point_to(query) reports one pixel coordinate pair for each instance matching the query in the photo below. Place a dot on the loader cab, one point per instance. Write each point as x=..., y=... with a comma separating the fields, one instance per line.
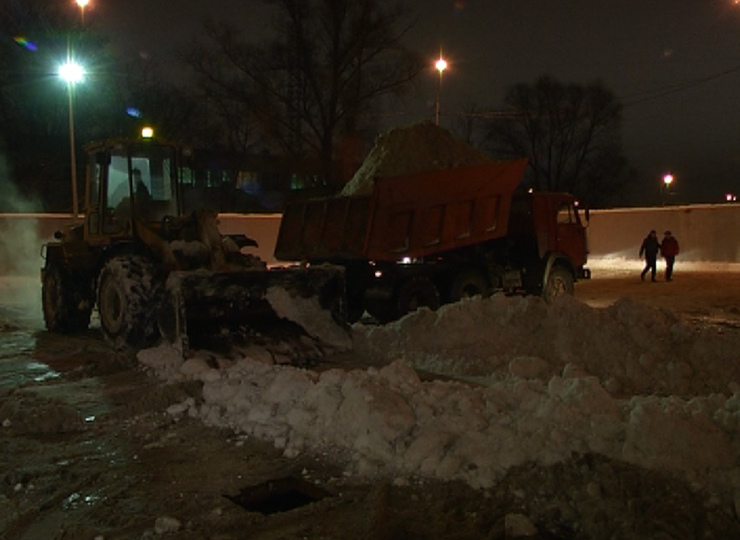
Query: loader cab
x=129, y=181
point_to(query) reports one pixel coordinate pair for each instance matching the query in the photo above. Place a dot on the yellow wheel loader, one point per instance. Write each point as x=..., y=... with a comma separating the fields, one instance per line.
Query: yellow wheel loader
x=155, y=272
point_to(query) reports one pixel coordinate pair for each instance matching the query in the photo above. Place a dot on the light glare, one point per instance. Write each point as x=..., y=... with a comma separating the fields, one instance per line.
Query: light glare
x=71, y=72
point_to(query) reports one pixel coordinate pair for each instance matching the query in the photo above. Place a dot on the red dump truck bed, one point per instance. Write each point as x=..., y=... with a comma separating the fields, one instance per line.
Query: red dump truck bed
x=406, y=216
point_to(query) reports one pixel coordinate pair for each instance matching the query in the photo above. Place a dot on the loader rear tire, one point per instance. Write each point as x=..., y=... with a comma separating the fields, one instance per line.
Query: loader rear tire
x=127, y=302
x=415, y=293
x=67, y=304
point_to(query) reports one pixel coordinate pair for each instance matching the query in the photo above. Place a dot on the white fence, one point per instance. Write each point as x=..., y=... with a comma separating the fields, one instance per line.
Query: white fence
x=707, y=233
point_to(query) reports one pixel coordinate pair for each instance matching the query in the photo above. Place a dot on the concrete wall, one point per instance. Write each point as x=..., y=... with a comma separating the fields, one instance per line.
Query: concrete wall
x=21, y=238
x=707, y=233
x=261, y=227
x=24, y=234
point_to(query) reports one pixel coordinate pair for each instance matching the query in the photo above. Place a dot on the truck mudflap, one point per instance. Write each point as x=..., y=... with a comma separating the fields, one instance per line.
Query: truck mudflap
x=202, y=302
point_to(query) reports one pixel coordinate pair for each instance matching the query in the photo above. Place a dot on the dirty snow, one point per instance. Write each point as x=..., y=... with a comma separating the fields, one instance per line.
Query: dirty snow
x=517, y=382
x=411, y=149
x=307, y=313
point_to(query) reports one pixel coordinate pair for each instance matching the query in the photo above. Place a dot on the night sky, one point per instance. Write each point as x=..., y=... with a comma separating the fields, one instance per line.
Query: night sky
x=674, y=64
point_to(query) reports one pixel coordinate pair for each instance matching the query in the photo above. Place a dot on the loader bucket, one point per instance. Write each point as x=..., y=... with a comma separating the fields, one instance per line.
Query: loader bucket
x=202, y=302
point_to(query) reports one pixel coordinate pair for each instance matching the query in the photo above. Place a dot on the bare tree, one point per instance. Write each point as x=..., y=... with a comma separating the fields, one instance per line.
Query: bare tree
x=572, y=135
x=316, y=82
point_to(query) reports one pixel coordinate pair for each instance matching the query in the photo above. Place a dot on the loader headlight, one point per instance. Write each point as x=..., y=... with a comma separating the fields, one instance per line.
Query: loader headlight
x=378, y=274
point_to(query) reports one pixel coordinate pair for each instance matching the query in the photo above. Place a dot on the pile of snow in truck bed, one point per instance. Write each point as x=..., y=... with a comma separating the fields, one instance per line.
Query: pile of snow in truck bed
x=412, y=149
x=532, y=384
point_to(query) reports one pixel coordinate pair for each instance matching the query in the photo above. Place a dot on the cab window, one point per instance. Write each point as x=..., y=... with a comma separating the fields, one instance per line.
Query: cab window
x=567, y=214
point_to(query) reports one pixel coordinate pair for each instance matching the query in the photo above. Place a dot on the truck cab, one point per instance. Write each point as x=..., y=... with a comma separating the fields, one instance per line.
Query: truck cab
x=547, y=236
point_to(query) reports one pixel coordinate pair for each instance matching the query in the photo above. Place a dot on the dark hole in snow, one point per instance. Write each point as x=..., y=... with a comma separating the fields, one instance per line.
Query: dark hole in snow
x=279, y=495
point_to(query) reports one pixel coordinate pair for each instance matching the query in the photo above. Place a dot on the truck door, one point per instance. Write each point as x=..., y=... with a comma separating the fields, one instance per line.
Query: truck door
x=570, y=233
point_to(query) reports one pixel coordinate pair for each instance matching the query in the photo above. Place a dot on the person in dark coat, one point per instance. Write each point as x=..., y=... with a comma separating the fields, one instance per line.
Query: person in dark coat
x=669, y=249
x=650, y=248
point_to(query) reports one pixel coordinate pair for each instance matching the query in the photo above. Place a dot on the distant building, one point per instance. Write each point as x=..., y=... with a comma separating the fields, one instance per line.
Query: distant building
x=244, y=183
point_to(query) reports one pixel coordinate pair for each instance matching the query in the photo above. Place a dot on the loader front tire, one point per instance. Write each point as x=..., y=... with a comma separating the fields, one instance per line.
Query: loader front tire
x=67, y=304
x=127, y=302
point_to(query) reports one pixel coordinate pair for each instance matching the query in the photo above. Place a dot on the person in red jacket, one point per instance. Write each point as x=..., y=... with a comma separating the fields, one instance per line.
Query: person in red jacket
x=669, y=249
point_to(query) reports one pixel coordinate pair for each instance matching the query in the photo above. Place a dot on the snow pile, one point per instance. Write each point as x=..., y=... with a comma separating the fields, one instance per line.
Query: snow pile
x=630, y=347
x=559, y=381
x=417, y=148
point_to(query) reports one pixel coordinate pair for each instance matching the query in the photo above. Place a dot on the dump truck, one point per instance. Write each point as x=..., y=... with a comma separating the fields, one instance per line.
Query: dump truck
x=155, y=271
x=435, y=237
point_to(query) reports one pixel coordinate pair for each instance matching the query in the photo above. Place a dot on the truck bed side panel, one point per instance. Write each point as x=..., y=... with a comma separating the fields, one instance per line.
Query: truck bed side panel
x=406, y=216
x=324, y=229
x=422, y=214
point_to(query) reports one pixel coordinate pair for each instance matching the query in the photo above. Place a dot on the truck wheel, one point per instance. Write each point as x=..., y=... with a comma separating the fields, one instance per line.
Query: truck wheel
x=355, y=309
x=415, y=293
x=559, y=282
x=67, y=306
x=126, y=302
x=467, y=284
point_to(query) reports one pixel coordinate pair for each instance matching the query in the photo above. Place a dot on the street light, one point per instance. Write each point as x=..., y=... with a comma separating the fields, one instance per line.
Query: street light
x=83, y=4
x=440, y=65
x=72, y=73
x=667, y=182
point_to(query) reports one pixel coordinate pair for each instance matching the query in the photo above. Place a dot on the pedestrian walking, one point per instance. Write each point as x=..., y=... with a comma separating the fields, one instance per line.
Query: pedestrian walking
x=669, y=249
x=650, y=248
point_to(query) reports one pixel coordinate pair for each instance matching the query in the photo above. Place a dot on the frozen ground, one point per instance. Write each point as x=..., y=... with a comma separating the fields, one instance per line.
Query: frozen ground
x=611, y=415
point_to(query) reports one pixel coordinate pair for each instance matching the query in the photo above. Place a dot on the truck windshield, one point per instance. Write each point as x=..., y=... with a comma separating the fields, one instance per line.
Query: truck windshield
x=567, y=214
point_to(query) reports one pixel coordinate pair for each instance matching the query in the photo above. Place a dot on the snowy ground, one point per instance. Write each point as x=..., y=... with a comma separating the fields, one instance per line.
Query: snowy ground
x=611, y=415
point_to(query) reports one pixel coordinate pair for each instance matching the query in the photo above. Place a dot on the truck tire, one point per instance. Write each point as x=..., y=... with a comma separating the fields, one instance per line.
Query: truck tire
x=126, y=302
x=415, y=293
x=66, y=304
x=467, y=284
x=355, y=309
x=559, y=282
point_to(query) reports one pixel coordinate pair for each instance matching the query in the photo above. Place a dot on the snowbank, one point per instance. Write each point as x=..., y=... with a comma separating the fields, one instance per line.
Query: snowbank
x=533, y=384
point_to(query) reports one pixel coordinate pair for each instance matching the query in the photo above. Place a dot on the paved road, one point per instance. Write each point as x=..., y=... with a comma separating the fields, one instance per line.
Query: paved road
x=712, y=296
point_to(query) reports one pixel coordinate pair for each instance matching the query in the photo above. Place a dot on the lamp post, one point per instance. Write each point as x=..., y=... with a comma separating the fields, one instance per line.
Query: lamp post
x=72, y=73
x=440, y=65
